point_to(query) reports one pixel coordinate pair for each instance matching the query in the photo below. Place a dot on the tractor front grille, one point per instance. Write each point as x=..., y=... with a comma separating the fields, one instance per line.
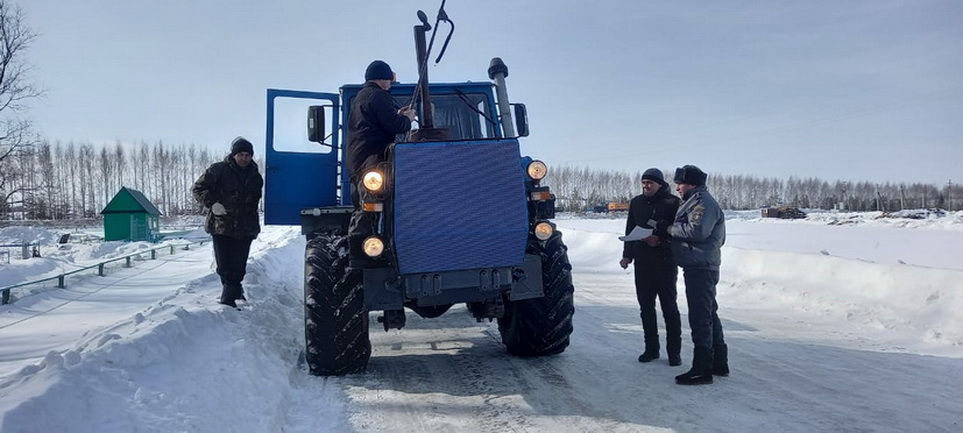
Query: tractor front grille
x=459, y=205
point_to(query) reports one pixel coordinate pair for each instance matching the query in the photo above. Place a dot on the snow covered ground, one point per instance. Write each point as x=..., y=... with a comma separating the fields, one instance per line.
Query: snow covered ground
x=854, y=326
x=86, y=248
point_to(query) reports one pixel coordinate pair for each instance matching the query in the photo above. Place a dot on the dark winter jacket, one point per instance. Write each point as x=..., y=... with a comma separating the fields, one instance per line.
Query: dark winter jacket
x=372, y=126
x=658, y=213
x=699, y=231
x=239, y=190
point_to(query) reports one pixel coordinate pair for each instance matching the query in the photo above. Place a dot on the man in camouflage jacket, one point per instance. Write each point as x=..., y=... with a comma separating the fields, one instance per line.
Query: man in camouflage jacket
x=230, y=190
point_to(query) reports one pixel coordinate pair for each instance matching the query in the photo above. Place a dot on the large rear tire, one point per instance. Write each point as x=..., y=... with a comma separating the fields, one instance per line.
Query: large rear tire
x=335, y=317
x=542, y=326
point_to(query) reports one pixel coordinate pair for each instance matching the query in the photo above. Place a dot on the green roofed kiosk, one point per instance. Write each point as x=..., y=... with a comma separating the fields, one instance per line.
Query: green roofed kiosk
x=131, y=217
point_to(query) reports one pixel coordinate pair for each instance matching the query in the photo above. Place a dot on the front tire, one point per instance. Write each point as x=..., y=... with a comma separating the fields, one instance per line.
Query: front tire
x=335, y=317
x=542, y=326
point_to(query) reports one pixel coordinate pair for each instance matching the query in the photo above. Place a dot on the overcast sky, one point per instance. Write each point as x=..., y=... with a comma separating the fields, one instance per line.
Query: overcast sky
x=859, y=90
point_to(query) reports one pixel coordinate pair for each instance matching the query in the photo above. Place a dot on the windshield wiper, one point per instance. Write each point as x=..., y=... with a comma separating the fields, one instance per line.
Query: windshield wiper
x=468, y=102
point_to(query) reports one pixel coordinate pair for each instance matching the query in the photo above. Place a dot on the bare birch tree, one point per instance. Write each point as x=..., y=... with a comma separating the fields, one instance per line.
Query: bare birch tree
x=16, y=89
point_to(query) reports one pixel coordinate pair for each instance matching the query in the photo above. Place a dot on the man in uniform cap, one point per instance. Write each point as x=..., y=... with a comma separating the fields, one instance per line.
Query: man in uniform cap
x=698, y=233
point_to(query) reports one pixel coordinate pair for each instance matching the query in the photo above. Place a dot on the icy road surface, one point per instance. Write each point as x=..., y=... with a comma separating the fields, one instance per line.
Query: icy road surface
x=817, y=342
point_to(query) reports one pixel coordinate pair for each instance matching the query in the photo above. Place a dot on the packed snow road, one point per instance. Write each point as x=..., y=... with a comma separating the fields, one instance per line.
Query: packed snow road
x=817, y=343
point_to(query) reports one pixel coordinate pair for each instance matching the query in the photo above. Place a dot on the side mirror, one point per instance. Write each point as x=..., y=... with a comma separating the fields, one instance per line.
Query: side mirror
x=521, y=119
x=316, y=124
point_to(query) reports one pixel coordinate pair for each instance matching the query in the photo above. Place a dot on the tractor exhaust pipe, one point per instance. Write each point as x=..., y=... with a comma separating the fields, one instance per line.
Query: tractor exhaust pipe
x=426, y=131
x=498, y=71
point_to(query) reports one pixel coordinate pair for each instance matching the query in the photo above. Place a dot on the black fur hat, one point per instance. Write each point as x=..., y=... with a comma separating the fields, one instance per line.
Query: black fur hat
x=690, y=174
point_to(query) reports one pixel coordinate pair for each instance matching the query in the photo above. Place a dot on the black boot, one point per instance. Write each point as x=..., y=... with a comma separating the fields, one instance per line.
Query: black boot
x=228, y=295
x=720, y=360
x=651, y=352
x=240, y=292
x=701, y=371
x=229, y=303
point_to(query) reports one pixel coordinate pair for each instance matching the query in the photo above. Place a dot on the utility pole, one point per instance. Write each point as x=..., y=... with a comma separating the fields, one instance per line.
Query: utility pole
x=902, y=197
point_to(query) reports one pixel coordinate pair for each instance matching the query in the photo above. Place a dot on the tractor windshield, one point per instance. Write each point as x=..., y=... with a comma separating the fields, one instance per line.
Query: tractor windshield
x=464, y=114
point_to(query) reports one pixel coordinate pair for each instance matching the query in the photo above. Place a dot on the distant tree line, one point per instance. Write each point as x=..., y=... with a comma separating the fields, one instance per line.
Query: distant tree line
x=68, y=181
x=582, y=188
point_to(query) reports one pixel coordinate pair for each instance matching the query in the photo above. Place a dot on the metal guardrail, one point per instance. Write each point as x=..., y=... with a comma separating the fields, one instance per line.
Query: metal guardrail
x=28, y=248
x=62, y=278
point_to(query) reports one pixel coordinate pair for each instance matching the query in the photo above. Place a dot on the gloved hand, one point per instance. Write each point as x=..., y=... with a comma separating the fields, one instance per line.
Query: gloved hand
x=218, y=209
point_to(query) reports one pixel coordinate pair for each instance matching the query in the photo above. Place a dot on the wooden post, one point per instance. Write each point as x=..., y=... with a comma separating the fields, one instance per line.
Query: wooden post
x=60, y=281
x=100, y=269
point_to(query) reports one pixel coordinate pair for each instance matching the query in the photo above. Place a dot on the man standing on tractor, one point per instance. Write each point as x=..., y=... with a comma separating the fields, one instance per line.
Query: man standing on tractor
x=655, y=270
x=231, y=190
x=373, y=124
x=698, y=233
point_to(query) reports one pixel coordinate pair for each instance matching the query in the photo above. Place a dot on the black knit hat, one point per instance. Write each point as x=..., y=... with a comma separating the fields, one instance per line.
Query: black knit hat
x=241, y=144
x=378, y=70
x=654, y=175
x=691, y=175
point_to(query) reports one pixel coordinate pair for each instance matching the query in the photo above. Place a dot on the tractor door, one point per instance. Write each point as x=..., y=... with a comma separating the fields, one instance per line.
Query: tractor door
x=299, y=173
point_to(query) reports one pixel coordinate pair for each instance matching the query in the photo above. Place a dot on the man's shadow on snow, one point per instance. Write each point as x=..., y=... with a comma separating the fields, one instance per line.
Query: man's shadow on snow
x=774, y=386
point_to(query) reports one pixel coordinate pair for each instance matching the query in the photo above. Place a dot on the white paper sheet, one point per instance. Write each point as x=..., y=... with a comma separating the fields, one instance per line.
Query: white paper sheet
x=637, y=234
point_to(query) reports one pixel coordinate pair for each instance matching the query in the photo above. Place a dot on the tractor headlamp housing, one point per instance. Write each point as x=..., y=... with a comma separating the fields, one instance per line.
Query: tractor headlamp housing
x=543, y=230
x=373, y=246
x=373, y=181
x=537, y=170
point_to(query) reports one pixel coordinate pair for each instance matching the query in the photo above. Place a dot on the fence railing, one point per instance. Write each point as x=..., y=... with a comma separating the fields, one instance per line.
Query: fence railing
x=28, y=249
x=101, y=267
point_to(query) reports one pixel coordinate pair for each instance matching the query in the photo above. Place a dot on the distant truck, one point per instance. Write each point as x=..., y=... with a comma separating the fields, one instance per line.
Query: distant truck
x=612, y=206
x=783, y=212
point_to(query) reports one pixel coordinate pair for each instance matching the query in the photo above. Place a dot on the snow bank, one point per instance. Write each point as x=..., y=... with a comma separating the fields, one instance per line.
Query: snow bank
x=110, y=249
x=18, y=271
x=918, y=308
x=19, y=234
x=186, y=364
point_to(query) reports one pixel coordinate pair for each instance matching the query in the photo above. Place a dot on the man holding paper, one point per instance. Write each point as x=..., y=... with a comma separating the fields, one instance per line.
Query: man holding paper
x=647, y=245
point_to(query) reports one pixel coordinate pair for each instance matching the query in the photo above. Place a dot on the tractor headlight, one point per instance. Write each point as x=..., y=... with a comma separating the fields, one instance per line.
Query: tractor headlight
x=543, y=231
x=373, y=180
x=537, y=170
x=373, y=246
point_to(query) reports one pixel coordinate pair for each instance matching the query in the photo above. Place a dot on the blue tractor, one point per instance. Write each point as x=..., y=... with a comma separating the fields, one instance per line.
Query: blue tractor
x=462, y=217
